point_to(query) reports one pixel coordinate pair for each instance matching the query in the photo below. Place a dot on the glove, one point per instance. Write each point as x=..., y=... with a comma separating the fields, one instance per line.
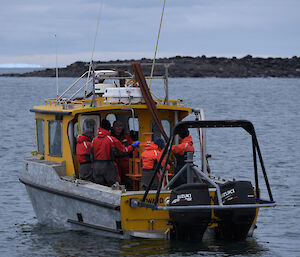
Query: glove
x=135, y=144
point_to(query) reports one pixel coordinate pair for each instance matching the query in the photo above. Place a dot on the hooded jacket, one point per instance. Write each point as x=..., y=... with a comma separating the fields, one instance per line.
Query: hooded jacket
x=107, y=148
x=186, y=145
x=150, y=157
x=124, y=138
x=180, y=151
x=123, y=163
x=83, y=148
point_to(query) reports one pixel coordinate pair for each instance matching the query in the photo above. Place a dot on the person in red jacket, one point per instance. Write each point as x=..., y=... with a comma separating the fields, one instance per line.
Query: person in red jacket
x=105, y=149
x=180, y=150
x=123, y=163
x=83, y=148
x=149, y=160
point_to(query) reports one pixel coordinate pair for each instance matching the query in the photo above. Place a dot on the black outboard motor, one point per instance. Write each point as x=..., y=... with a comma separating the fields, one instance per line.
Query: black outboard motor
x=235, y=223
x=189, y=224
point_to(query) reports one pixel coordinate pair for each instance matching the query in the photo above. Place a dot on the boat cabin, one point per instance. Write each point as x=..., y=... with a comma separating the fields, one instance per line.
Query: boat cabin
x=59, y=121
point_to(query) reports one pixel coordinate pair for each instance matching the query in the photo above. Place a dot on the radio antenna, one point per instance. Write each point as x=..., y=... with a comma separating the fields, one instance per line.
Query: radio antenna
x=93, y=49
x=56, y=68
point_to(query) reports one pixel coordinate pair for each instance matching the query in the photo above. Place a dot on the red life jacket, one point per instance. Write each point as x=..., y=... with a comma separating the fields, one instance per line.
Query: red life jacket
x=102, y=145
x=83, y=148
x=124, y=138
x=150, y=157
x=123, y=163
x=180, y=151
x=108, y=148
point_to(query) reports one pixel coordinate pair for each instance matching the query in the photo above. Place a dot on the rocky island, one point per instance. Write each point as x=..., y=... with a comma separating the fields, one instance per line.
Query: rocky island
x=186, y=66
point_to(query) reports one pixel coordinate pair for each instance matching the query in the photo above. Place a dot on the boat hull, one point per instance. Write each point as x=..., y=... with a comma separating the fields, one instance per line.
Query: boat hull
x=62, y=201
x=71, y=204
x=55, y=209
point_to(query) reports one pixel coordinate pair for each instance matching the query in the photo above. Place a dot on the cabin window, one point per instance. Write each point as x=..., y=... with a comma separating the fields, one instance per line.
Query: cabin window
x=55, y=138
x=134, y=128
x=89, y=122
x=156, y=132
x=133, y=124
x=40, y=135
x=111, y=118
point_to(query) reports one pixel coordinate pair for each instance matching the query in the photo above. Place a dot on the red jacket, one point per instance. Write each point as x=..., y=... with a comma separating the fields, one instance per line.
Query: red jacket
x=179, y=151
x=124, y=138
x=83, y=148
x=150, y=157
x=107, y=147
x=186, y=145
x=123, y=163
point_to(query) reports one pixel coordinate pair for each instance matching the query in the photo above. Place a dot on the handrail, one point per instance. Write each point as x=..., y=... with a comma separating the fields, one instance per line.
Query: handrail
x=165, y=77
x=219, y=207
x=79, y=89
x=246, y=125
x=166, y=65
x=72, y=85
x=122, y=77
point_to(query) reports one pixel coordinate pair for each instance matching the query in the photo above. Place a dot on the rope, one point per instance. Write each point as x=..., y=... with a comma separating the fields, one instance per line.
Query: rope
x=161, y=19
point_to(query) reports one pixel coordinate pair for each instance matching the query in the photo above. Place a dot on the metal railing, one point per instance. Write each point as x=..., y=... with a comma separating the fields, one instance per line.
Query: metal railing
x=72, y=85
x=61, y=98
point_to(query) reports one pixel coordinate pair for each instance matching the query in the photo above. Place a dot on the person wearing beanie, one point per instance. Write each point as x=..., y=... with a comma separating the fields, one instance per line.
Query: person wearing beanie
x=83, y=148
x=149, y=160
x=160, y=143
x=105, y=124
x=180, y=151
x=119, y=133
x=105, y=150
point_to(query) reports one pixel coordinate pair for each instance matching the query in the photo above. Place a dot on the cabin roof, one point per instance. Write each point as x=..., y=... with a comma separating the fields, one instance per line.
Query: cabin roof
x=73, y=110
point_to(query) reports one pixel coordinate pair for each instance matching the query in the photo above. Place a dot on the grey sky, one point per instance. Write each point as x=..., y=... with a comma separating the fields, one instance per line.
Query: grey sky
x=128, y=29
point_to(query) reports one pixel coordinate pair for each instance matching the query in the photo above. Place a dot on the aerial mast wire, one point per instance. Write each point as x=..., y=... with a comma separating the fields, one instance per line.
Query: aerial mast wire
x=56, y=68
x=153, y=64
x=93, y=49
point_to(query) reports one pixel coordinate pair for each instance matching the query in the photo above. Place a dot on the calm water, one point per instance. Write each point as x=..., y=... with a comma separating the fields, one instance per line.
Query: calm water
x=271, y=104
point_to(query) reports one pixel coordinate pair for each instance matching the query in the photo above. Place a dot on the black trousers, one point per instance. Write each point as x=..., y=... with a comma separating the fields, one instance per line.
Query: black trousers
x=146, y=178
x=86, y=171
x=105, y=173
x=127, y=181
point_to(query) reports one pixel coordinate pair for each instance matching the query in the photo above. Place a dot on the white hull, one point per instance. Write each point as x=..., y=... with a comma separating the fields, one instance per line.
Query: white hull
x=80, y=205
x=75, y=204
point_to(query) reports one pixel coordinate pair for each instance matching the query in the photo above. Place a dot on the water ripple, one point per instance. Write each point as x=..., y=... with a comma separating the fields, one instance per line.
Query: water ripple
x=271, y=104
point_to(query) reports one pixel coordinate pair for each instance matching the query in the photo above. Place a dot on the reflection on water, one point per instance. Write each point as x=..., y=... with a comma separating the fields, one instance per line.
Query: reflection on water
x=45, y=240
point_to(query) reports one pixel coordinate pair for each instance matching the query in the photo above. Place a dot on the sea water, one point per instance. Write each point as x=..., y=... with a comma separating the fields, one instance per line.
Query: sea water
x=272, y=105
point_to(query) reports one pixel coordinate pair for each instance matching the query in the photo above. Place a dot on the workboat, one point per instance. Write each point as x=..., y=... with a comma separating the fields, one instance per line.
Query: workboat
x=205, y=205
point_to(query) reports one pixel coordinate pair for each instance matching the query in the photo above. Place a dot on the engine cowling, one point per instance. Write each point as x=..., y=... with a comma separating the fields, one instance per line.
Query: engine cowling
x=190, y=224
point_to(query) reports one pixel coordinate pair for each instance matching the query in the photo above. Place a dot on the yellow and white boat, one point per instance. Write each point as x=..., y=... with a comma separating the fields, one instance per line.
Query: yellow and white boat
x=61, y=198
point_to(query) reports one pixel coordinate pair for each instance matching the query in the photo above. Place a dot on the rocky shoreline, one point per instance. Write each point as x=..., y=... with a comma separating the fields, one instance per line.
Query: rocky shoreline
x=185, y=66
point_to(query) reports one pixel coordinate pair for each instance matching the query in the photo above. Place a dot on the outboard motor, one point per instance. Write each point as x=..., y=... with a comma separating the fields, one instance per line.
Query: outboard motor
x=235, y=223
x=190, y=224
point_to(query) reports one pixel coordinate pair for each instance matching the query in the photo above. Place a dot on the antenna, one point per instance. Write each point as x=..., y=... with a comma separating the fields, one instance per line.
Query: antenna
x=161, y=19
x=56, y=68
x=93, y=50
